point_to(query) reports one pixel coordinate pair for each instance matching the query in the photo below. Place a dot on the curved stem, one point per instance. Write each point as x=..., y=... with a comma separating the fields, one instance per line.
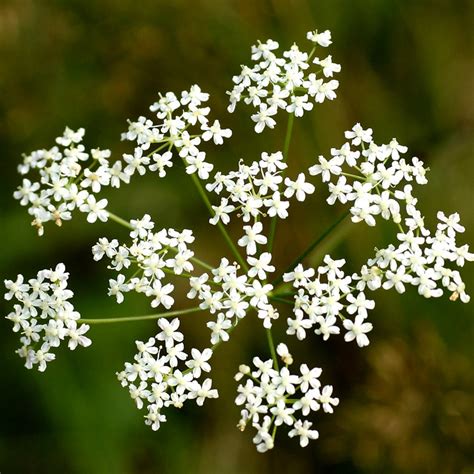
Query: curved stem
x=221, y=227
x=286, y=148
x=128, y=319
x=311, y=247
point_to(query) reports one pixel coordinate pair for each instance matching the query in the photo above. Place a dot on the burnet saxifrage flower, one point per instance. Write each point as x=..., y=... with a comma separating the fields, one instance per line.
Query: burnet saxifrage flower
x=374, y=181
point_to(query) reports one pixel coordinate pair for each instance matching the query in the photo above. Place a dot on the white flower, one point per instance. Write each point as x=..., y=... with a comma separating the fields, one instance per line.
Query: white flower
x=329, y=68
x=216, y=133
x=222, y=212
x=161, y=162
x=259, y=293
x=169, y=332
x=161, y=294
x=357, y=330
x=204, y=391
x=298, y=187
x=327, y=167
x=326, y=399
x=450, y=223
x=309, y=377
x=70, y=136
x=359, y=304
x=141, y=227
x=263, y=118
x=197, y=164
x=260, y=266
x=302, y=429
x=282, y=413
x=285, y=382
x=299, y=103
x=95, y=209
x=253, y=236
x=116, y=287
x=17, y=288
x=359, y=135
x=277, y=207
x=136, y=162
x=41, y=357
x=323, y=39
x=339, y=191
x=219, y=329
x=299, y=275
x=76, y=335
x=397, y=279
x=327, y=326
x=268, y=313
x=298, y=325
x=199, y=361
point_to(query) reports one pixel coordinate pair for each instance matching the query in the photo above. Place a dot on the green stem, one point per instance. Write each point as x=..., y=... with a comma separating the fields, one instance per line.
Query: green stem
x=168, y=314
x=359, y=178
x=281, y=300
x=272, y=348
x=284, y=293
x=120, y=221
x=221, y=227
x=311, y=247
x=200, y=262
x=286, y=148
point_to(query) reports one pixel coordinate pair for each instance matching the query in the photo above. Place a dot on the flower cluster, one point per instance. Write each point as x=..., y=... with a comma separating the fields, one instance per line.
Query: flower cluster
x=232, y=296
x=273, y=397
x=44, y=317
x=285, y=83
x=254, y=190
x=155, y=379
x=178, y=117
x=377, y=180
x=69, y=178
x=153, y=255
x=422, y=260
x=322, y=297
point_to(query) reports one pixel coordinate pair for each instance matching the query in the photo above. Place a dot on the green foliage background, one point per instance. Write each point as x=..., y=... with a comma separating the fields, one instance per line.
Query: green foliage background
x=406, y=401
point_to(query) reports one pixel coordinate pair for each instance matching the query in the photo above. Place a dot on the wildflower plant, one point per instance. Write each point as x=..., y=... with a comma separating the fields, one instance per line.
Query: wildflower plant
x=374, y=181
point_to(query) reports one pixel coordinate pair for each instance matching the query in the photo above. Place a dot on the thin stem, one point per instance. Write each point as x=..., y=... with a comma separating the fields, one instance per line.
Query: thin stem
x=221, y=227
x=201, y=263
x=120, y=221
x=350, y=175
x=289, y=130
x=311, y=247
x=272, y=348
x=168, y=314
x=286, y=148
x=284, y=293
x=282, y=300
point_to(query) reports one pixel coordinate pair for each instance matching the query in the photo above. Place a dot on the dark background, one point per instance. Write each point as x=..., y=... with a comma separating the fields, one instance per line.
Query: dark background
x=407, y=400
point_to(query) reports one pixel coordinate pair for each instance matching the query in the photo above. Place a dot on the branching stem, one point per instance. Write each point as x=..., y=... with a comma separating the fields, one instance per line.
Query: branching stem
x=221, y=227
x=311, y=247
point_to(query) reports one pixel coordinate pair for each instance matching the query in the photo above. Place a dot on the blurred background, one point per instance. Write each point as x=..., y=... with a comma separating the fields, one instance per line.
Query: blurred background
x=407, y=401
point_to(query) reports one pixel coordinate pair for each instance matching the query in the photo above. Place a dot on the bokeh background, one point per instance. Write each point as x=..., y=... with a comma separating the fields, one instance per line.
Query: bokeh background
x=407, y=403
